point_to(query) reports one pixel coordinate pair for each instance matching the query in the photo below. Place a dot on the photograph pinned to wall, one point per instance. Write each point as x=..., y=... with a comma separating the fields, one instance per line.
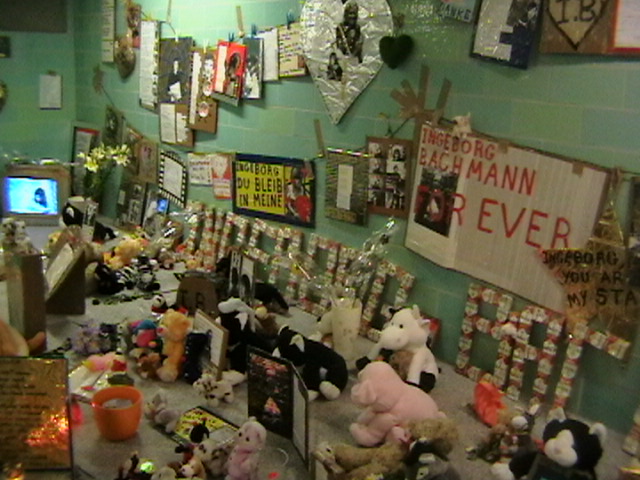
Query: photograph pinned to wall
x=270, y=54
x=149, y=64
x=134, y=16
x=200, y=168
x=389, y=171
x=174, y=70
x=274, y=188
x=625, y=36
x=112, y=132
x=506, y=31
x=290, y=51
x=463, y=10
x=172, y=177
x=568, y=27
x=253, y=73
x=174, y=127
x=340, y=42
x=84, y=139
x=147, y=154
x=348, y=186
x=278, y=398
x=222, y=174
x=231, y=62
x=203, y=108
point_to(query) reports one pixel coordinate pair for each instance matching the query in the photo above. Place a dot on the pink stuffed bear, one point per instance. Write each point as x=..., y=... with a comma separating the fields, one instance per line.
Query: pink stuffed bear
x=243, y=460
x=390, y=404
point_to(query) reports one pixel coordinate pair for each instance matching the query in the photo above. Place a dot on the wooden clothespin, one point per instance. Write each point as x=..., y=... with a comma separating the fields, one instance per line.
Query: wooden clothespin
x=319, y=138
x=290, y=19
x=240, y=22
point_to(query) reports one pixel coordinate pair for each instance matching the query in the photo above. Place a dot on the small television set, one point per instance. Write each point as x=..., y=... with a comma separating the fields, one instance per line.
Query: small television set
x=35, y=193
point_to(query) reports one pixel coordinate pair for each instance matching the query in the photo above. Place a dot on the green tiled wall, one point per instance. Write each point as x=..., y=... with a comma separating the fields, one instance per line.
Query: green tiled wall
x=26, y=130
x=583, y=107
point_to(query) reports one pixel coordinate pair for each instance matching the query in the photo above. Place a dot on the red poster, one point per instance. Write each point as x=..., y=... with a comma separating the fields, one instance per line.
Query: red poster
x=231, y=59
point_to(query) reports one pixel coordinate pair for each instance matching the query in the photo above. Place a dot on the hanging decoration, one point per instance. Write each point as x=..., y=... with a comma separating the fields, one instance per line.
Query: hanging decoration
x=595, y=279
x=124, y=56
x=341, y=47
x=568, y=27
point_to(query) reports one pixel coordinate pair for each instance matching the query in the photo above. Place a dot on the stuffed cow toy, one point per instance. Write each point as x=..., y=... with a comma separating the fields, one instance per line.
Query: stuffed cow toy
x=408, y=331
x=390, y=405
x=322, y=369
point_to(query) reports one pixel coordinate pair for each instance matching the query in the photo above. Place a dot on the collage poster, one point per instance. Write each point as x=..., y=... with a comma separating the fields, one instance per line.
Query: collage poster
x=274, y=188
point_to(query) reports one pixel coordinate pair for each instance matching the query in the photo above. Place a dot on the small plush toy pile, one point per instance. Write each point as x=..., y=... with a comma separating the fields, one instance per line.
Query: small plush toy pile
x=571, y=447
x=423, y=455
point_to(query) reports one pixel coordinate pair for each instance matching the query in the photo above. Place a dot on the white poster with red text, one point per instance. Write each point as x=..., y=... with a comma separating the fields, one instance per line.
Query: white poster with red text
x=488, y=209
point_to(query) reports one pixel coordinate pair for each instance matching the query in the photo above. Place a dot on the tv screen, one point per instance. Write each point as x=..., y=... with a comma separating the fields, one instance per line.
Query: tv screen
x=31, y=196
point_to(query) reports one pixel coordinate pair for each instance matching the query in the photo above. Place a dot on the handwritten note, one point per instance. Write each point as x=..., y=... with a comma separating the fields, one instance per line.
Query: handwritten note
x=290, y=51
x=34, y=423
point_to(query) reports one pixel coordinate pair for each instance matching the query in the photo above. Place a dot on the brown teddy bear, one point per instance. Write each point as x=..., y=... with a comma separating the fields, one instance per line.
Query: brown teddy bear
x=174, y=328
x=347, y=462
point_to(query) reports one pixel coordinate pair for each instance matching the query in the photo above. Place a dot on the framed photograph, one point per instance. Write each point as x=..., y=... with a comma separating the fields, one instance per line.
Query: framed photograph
x=274, y=188
x=147, y=154
x=112, y=133
x=84, y=139
x=348, y=186
x=172, y=177
x=216, y=351
x=506, y=31
x=389, y=170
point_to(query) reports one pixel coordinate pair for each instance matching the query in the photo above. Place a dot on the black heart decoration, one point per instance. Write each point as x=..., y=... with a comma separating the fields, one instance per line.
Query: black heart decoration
x=395, y=50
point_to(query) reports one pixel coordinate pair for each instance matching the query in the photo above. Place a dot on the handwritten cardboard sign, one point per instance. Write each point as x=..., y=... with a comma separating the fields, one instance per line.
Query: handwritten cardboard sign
x=486, y=209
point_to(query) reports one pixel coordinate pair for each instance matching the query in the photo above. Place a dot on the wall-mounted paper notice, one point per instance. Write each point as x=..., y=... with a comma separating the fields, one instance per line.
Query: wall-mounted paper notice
x=50, y=92
x=149, y=51
x=168, y=122
x=290, y=53
x=345, y=186
x=108, y=29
